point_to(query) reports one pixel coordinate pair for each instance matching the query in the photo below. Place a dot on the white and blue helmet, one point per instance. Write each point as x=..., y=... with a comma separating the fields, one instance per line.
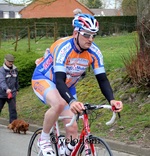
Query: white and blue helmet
x=85, y=22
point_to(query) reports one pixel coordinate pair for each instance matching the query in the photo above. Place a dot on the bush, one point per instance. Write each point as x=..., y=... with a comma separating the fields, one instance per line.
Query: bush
x=138, y=68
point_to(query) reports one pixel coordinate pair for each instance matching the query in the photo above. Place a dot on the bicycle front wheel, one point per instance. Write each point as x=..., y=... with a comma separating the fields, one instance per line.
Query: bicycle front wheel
x=97, y=147
x=34, y=150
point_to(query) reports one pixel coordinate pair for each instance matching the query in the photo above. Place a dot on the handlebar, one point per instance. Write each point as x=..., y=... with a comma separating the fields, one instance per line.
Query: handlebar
x=92, y=107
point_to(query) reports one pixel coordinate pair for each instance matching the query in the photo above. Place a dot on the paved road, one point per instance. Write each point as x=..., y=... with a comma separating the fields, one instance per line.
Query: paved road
x=17, y=145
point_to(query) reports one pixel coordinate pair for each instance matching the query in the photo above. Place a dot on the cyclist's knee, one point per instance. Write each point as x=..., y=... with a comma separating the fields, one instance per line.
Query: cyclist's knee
x=58, y=106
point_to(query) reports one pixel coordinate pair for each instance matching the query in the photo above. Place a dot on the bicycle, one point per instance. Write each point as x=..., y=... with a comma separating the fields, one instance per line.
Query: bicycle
x=87, y=143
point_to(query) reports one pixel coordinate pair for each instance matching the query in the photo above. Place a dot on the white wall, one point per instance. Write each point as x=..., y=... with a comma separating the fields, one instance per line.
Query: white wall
x=17, y=15
x=5, y=14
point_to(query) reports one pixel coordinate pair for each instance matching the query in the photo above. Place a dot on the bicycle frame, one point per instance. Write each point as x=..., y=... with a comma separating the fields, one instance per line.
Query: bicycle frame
x=84, y=136
x=85, y=145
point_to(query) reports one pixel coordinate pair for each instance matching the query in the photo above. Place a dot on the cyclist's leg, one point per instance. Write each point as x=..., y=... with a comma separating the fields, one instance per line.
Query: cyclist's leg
x=47, y=92
x=71, y=131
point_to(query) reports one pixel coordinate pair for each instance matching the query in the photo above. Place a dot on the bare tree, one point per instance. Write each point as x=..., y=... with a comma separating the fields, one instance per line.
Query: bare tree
x=19, y=2
x=111, y=4
x=143, y=20
x=129, y=7
x=118, y=3
x=26, y=2
x=138, y=65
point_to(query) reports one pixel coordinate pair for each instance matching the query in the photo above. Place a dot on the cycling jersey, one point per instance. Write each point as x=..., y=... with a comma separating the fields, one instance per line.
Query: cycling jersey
x=63, y=56
x=62, y=66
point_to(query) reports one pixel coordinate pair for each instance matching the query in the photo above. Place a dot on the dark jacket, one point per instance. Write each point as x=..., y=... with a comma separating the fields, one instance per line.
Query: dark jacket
x=8, y=80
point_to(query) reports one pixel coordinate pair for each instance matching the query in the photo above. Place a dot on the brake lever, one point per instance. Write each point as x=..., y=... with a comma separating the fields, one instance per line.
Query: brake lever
x=114, y=108
x=77, y=117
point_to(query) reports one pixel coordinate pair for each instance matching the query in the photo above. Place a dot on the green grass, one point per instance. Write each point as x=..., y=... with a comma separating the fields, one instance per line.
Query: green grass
x=134, y=126
x=112, y=47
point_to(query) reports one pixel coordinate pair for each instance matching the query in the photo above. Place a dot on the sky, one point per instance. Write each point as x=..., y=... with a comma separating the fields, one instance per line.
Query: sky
x=109, y=4
x=15, y=1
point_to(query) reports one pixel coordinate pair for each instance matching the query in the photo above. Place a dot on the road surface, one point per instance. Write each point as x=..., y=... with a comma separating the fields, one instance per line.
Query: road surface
x=12, y=144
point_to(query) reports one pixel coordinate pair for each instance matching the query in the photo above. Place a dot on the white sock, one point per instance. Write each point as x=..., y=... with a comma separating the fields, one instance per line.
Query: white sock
x=45, y=136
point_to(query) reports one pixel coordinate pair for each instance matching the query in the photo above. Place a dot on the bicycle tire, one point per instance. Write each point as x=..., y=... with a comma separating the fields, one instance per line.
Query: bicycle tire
x=34, y=150
x=101, y=147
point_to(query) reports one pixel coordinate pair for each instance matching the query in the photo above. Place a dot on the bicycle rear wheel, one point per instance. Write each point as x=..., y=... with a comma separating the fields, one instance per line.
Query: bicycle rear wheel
x=100, y=146
x=34, y=150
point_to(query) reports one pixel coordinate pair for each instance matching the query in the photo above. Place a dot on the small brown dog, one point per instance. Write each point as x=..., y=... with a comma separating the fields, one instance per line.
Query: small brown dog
x=19, y=125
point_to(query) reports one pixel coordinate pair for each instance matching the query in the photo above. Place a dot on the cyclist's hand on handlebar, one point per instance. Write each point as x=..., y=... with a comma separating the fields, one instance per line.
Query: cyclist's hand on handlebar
x=117, y=104
x=77, y=107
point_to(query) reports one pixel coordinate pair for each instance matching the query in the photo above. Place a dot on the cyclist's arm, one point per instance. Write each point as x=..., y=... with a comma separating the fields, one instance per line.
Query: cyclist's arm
x=62, y=87
x=105, y=86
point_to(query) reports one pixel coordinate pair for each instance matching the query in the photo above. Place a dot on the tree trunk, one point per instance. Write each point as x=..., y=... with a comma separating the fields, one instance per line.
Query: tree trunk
x=143, y=22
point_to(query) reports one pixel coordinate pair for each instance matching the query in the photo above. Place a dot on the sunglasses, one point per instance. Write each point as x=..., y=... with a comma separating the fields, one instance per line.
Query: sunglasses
x=86, y=35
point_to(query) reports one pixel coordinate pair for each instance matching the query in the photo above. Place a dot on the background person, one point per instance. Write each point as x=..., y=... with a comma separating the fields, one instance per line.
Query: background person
x=9, y=86
x=58, y=72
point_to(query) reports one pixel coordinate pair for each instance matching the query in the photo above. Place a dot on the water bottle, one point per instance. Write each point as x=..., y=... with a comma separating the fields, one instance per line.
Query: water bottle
x=69, y=148
x=87, y=152
x=62, y=146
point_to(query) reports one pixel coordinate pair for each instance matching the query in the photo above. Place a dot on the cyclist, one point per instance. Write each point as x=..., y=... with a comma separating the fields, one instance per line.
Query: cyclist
x=59, y=70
